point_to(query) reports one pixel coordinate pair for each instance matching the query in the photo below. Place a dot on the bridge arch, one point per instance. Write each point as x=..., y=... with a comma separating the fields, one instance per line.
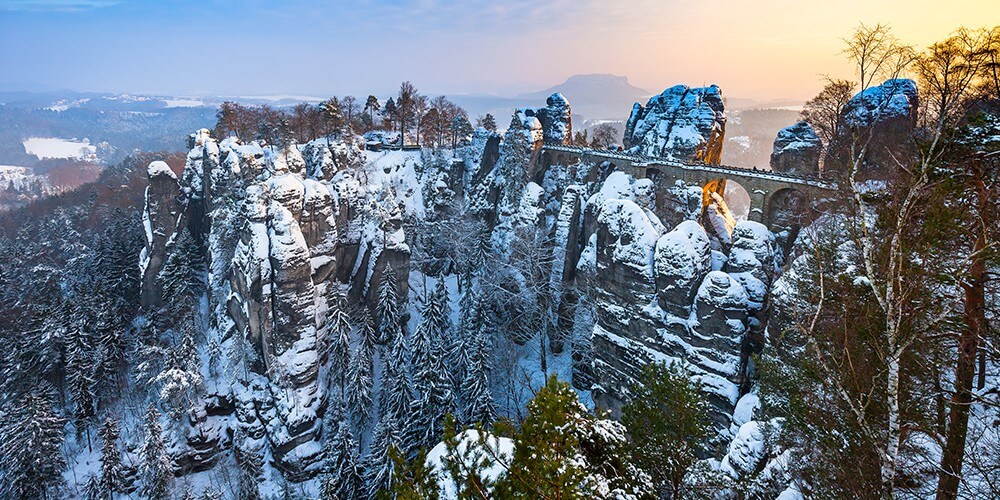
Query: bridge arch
x=786, y=208
x=736, y=197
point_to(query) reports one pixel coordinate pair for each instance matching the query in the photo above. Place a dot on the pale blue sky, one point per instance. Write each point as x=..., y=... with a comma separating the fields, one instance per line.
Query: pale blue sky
x=762, y=49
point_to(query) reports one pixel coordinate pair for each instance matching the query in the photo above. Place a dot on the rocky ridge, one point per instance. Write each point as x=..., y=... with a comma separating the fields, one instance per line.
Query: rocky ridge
x=286, y=229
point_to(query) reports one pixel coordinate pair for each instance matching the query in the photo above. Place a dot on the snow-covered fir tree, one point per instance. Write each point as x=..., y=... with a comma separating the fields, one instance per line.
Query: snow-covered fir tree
x=31, y=443
x=249, y=466
x=81, y=387
x=476, y=393
x=361, y=372
x=434, y=388
x=396, y=396
x=156, y=467
x=183, y=273
x=336, y=338
x=387, y=308
x=111, y=458
x=513, y=162
x=343, y=471
x=379, y=465
x=181, y=379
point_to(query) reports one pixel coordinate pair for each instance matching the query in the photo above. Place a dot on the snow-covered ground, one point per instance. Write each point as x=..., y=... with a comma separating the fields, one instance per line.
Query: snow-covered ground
x=183, y=103
x=64, y=104
x=13, y=173
x=54, y=147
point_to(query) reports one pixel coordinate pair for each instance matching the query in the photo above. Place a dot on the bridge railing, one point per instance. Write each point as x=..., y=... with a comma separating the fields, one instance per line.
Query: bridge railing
x=634, y=157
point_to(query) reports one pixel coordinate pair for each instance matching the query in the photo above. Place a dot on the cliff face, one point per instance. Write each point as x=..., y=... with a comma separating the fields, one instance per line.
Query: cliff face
x=679, y=293
x=684, y=123
x=271, y=219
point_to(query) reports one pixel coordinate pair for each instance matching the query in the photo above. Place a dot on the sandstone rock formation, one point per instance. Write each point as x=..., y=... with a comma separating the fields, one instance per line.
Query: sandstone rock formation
x=889, y=113
x=682, y=260
x=670, y=296
x=796, y=150
x=271, y=219
x=556, y=120
x=161, y=217
x=684, y=123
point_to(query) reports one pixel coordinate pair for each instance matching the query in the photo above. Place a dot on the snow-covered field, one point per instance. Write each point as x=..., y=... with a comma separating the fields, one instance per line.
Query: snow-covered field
x=54, y=147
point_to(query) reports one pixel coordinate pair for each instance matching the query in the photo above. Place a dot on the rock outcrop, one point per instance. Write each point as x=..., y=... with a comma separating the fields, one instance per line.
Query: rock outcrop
x=556, y=120
x=271, y=218
x=797, y=150
x=684, y=123
x=165, y=204
x=671, y=296
x=889, y=113
x=683, y=258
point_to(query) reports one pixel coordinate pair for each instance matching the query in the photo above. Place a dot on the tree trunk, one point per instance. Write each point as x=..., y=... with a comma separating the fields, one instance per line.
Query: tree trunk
x=965, y=369
x=892, y=436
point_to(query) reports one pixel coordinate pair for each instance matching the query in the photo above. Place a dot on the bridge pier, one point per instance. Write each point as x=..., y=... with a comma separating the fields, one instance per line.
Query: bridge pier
x=758, y=206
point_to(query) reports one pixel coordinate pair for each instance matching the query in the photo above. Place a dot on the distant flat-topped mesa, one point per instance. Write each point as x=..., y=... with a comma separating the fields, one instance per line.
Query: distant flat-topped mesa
x=684, y=123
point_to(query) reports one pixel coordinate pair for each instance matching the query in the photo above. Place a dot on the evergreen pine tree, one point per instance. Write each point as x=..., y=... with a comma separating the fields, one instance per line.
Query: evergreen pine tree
x=488, y=123
x=483, y=251
x=111, y=458
x=183, y=272
x=333, y=116
x=343, y=477
x=513, y=162
x=250, y=466
x=81, y=386
x=387, y=308
x=379, y=464
x=111, y=361
x=30, y=444
x=666, y=448
x=431, y=379
x=425, y=334
x=475, y=389
x=397, y=392
x=80, y=372
x=181, y=380
x=563, y=451
x=92, y=489
x=339, y=339
x=156, y=466
x=467, y=299
x=361, y=371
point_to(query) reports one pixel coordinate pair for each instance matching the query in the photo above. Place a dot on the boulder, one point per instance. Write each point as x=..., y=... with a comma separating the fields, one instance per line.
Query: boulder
x=683, y=123
x=721, y=306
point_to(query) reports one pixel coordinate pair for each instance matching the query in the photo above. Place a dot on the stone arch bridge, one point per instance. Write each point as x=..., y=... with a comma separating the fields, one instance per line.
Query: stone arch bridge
x=770, y=192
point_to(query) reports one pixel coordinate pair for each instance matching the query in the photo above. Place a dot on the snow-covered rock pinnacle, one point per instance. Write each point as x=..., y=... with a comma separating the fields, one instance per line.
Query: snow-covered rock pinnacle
x=684, y=123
